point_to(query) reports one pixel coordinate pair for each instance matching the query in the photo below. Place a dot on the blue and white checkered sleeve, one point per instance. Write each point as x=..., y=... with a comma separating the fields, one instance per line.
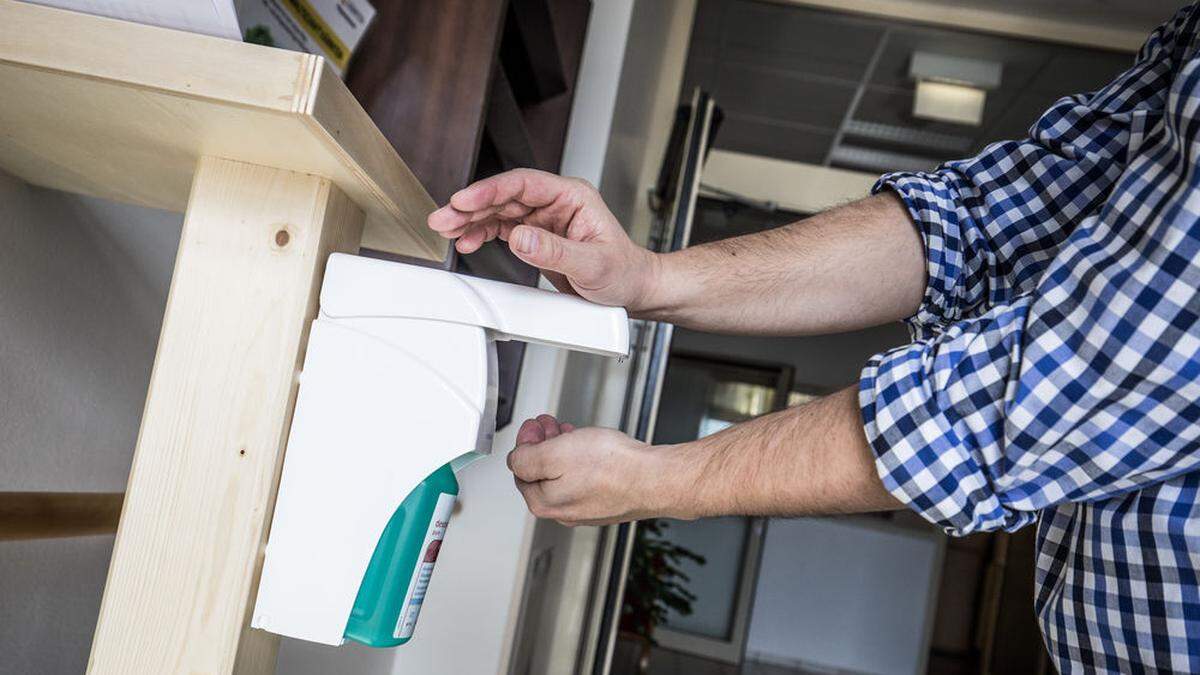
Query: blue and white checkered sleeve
x=1078, y=391
x=1060, y=360
x=934, y=414
x=991, y=223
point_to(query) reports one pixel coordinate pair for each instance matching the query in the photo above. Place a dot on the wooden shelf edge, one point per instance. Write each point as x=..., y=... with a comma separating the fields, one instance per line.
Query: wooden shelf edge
x=51, y=515
x=124, y=111
x=153, y=58
x=389, y=184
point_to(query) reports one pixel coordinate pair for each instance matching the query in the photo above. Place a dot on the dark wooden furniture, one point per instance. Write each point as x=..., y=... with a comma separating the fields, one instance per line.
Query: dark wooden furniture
x=40, y=515
x=444, y=78
x=465, y=89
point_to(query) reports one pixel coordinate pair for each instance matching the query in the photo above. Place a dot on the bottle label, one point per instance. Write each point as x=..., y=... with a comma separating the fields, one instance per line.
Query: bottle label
x=419, y=583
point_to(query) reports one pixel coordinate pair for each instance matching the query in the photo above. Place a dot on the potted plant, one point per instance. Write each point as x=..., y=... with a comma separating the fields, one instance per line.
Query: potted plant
x=655, y=585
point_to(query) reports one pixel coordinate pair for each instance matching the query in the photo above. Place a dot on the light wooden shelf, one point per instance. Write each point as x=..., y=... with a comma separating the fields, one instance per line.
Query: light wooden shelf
x=49, y=515
x=125, y=111
x=275, y=166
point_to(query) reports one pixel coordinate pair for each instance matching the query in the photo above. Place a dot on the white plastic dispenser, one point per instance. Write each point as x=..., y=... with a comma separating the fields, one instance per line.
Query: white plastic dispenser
x=399, y=380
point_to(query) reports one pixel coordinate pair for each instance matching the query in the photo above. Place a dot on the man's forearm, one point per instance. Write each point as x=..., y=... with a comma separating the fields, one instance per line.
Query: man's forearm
x=853, y=266
x=808, y=459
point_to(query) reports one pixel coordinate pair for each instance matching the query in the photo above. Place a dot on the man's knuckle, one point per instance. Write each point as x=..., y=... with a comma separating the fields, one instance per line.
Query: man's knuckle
x=554, y=252
x=536, y=507
x=552, y=495
x=524, y=466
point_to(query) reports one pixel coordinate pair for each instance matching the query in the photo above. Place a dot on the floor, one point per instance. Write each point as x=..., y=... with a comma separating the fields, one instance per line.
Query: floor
x=667, y=662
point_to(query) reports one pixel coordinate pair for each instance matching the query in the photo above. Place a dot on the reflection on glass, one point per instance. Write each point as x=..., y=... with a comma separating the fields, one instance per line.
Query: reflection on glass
x=797, y=397
x=711, y=425
x=732, y=402
x=702, y=396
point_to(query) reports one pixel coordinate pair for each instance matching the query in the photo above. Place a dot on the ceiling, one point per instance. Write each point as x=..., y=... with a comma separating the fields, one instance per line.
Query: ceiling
x=1142, y=14
x=822, y=87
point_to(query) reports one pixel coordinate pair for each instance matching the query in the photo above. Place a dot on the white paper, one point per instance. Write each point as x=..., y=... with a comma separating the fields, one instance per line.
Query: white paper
x=208, y=17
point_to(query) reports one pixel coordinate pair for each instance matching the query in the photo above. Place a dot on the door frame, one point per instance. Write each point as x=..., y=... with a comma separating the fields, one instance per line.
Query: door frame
x=645, y=387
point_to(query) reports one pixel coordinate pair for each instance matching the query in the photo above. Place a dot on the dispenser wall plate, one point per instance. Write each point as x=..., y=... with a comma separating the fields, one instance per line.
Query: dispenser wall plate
x=398, y=380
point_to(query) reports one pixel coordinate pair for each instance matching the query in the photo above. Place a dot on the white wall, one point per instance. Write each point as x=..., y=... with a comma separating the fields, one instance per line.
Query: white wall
x=83, y=284
x=844, y=594
x=651, y=74
x=596, y=90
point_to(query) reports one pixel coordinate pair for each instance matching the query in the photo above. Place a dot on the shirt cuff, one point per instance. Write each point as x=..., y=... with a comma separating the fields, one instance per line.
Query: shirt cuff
x=931, y=206
x=925, y=456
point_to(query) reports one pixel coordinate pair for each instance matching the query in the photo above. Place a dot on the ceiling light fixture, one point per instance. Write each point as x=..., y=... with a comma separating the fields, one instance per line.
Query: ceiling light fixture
x=951, y=88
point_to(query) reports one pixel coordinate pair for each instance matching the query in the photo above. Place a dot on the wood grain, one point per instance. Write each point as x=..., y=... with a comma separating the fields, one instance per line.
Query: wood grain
x=189, y=547
x=44, y=515
x=124, y=111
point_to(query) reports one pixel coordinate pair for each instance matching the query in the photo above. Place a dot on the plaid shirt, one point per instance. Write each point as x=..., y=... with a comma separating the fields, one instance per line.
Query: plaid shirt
x=1055, y=372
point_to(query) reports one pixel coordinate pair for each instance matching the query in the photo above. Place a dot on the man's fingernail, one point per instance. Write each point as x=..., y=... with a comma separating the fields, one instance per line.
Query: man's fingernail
x=526, y=240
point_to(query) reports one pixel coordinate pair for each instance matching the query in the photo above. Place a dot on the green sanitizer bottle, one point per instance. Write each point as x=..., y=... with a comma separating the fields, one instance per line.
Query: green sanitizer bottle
x=393, y=588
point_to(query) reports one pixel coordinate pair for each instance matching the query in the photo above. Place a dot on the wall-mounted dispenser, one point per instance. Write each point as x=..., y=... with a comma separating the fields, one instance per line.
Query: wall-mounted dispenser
x=398, y=391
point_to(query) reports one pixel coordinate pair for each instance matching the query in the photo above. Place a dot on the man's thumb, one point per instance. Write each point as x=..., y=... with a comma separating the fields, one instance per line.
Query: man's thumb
x=548, y=251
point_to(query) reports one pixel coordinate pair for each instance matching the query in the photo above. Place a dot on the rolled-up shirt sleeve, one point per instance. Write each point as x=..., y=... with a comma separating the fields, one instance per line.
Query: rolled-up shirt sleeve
x=934, y=414
x=999, y=417
x=1057, y=353
x=1084, y=389
x=991, y=223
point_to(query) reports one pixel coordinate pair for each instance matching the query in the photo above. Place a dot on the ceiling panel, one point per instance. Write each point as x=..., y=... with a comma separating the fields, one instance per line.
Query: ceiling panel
x=1023, y=110
x=1068, y=71
x=1020, y=59
x=824, y=43
x=699, y=72
x=798, y=62
x=709, y=23
x=770, y=138
x=894, y=107
x=787, y=77
x=775, y=94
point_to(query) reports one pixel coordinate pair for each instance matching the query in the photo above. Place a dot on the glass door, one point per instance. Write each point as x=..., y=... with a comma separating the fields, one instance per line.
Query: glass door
x=702, y=396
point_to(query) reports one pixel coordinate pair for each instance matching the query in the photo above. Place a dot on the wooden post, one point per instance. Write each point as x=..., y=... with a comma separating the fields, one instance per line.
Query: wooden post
x=188, y=552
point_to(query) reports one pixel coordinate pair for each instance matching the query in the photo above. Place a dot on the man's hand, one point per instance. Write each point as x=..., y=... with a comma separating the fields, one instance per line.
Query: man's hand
x=557, y=224
x=588, y=476
x=854, y=266
x=809, y=459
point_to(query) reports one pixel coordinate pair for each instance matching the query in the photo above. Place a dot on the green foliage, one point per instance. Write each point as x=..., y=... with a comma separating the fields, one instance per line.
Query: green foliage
x=655, y=583
x=259, y=35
